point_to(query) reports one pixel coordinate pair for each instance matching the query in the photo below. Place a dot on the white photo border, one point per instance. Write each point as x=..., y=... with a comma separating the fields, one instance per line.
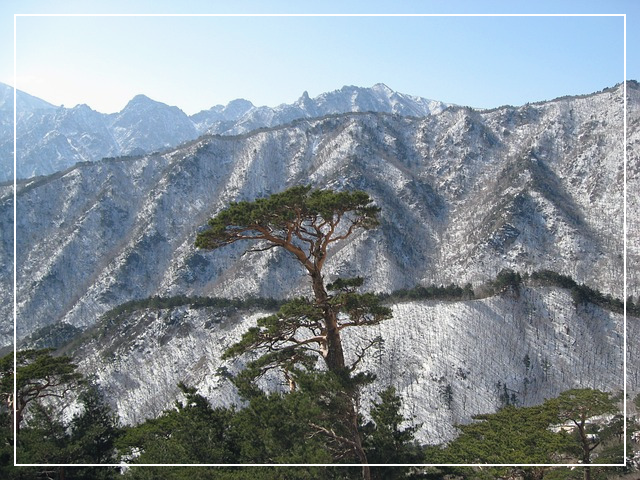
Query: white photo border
x=125, y=465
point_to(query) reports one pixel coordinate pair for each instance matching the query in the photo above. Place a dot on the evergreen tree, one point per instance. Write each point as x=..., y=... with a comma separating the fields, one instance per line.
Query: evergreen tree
x=6, y=443
x=509, y=436
x=94, y=431
x=387, y=441
x=192, y=432
x=446, y=393
x=467, y=292
x=39, y=375
x=577, y=407
x=272, y=428
x=45, y=441
x=88, y=438
x=506, y=280
x=306, y=223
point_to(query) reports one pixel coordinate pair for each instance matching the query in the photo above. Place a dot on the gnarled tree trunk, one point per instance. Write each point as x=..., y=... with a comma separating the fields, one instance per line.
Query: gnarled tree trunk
x=335, y=362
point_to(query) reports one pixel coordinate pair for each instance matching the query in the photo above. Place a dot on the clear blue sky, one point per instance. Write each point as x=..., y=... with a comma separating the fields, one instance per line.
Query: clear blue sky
x=198, y=62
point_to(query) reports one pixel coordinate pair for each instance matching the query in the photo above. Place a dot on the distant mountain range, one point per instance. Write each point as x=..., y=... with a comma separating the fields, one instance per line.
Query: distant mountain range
x=51, y=139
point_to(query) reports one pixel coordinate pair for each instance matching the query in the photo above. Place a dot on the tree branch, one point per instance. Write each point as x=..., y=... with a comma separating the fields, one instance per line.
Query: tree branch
x=338, y=438
x=352, y=227
x=264, y=249
x=376, y=341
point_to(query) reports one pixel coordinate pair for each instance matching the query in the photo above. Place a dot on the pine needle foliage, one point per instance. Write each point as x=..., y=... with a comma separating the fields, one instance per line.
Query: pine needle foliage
x=39, y=375
x=299, y=215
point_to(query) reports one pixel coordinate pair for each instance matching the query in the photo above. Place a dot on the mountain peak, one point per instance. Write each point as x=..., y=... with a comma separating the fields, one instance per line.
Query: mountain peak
x=304, y=100
x=239, y=104
x=140, y=99
x=382, y=88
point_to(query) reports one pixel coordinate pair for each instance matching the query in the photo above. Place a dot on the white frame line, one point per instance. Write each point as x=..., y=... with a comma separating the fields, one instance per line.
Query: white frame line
x=624, y=83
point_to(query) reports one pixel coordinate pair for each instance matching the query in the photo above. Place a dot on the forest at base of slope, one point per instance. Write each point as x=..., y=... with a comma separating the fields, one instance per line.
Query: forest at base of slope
x=61, y=335
x=295, y=428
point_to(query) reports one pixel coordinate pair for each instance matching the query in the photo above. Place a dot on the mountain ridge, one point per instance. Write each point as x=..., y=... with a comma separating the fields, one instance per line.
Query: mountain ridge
x=24, y=100
x=132, y=140
x=566, y=347
x=49, y=144
x=37, y=178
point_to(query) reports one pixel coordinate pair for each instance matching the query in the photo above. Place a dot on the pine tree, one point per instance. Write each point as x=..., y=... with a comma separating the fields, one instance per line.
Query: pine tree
x=88, y=438
x=387, y=440
x=509, y=436
x=191, y=432
x=93, y=431
x=306, y=223
x=576, y=407
x=39, y=375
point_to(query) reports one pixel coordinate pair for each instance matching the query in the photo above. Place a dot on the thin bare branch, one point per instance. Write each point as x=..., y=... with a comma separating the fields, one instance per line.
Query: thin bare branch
x=263, y=249
x=360, y=355
x=333, y=435
x=350, y=230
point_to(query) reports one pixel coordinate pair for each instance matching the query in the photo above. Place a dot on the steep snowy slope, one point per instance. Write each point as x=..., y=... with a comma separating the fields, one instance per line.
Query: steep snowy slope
x=463, y=195
x=633, y=189
x=24, y=101
x=27, y=106
x=52, y=140
x=532, y=346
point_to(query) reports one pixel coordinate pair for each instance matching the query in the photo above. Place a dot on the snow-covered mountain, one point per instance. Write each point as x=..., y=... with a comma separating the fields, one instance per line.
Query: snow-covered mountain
x=463, y=194
x=241, y=116
x=24, y=101
x=145, y=125
x=50, y=139
x=26, y=105
x=58, y=138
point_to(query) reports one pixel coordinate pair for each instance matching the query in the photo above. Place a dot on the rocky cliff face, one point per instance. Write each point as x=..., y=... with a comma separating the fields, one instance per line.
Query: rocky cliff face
x=463, y=195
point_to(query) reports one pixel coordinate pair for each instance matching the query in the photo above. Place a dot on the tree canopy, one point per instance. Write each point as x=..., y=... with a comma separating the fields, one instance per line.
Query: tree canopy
x=511, y=435
x=577, y=407
x=49, y=436
x=301, y=220
x=39, y=375
x=305, y=222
